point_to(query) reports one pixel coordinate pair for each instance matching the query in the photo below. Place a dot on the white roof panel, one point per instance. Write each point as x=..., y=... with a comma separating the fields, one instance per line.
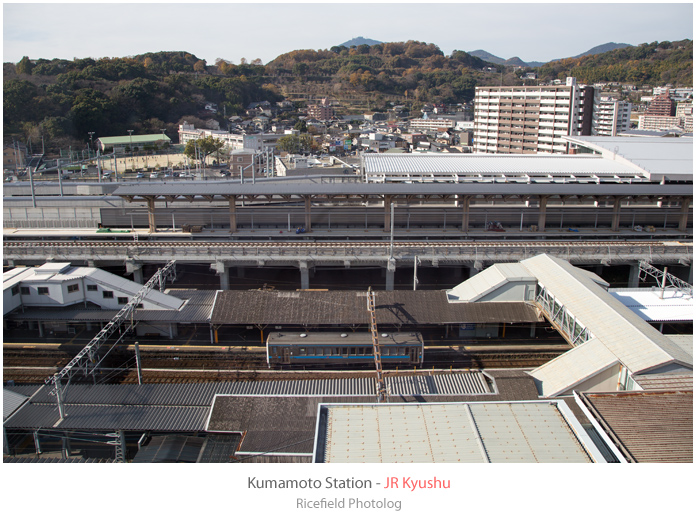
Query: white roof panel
x=14, y=276
x=109, y=279
x=505, y=164
x=650, y=305
x=572, y=367
x=637, y=344
x=491, y=278
x=450, y=433
x=658, y=156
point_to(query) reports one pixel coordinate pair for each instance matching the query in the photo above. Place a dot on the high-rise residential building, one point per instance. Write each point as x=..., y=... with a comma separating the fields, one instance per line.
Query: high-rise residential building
x=530, y=120
x=527, y=120
x=610, y=116
x=661, y=105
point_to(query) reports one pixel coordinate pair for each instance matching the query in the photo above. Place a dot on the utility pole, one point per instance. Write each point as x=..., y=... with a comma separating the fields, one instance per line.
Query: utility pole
x=138, y=363
x=416, y=262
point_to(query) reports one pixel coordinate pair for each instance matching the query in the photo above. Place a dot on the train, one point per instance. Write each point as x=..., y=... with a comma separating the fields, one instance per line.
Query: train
x=288, y=350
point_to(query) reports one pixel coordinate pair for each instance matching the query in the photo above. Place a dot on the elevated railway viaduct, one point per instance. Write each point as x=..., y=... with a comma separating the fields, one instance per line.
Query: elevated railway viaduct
x=443, y=223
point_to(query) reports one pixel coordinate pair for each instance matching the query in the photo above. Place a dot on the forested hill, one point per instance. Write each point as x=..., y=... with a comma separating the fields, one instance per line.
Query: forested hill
x=63, y=99
x=650, y=63
x=413, y=70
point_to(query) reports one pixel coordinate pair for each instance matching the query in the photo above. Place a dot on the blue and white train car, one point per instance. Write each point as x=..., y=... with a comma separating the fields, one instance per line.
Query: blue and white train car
x=293, y=349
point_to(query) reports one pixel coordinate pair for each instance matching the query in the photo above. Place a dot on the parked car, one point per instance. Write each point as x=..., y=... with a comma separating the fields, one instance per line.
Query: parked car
x=106, y=176
x=140, y=175
x=154, y=175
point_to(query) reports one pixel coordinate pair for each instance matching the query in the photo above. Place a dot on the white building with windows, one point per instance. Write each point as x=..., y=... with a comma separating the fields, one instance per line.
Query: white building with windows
x=610, y=116
x=526, y=120
x=258, y=142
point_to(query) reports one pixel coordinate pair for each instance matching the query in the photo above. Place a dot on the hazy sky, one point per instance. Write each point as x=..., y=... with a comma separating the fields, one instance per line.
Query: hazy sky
x=229, y=30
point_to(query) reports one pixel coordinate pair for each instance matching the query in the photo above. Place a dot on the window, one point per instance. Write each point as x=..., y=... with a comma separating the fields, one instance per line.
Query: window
x=91, y=287
x=42, y=290
x=123, y=300
x=139, y=306
x=15, y=290
x=73, y=288
x=108, y=294
x=24, y=290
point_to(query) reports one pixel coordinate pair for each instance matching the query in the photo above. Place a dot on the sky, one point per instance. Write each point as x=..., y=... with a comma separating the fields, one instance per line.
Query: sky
x=265, y=30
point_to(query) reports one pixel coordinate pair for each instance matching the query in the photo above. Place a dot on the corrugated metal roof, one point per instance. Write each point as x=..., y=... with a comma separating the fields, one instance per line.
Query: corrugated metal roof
x=35, y=459
x=572, y=367
x=507, y=164
x=659, y=156
x=11, y=401
x=647, y=426
x=638, y=345
x=674, y=306
x=666, y=381
x=348, y=307
x=452, y=432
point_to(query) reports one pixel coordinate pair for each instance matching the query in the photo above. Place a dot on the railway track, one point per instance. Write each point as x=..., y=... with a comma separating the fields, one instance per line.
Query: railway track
x=330, y=245
x=178, y=367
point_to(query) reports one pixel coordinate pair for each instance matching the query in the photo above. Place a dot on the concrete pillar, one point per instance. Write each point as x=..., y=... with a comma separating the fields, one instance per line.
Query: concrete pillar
x=616, y=215
x=138, y=275
x=466, y=200
x=387, y=213
x=151, y=214
x=684, y=214
x=690, y=279
x=308, y=213
x=233, y=213
x=542, y=213
x=633, y=275
x=304, y=275
x=391, y=270
x=41, y=329
x=532, y=331
x=223, y=273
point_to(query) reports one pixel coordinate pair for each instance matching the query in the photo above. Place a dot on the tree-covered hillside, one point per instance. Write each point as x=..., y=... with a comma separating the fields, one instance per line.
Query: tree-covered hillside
x=412, y=69
x=650, y=64
x=63, y=100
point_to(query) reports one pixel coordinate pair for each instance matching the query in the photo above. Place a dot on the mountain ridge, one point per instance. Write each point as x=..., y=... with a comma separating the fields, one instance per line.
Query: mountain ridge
x=516, y=61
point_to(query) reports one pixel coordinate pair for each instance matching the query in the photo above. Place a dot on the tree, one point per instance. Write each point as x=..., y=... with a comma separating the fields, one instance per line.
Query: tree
x=24, y=66
x=301, y=126
x=199, y=66
x=206, y=146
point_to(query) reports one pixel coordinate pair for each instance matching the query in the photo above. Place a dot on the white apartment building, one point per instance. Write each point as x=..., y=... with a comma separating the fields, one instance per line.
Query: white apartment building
x=258, y=142
x=610, y=116
x=648, y=122
x=526, y=120
x=433, y=124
